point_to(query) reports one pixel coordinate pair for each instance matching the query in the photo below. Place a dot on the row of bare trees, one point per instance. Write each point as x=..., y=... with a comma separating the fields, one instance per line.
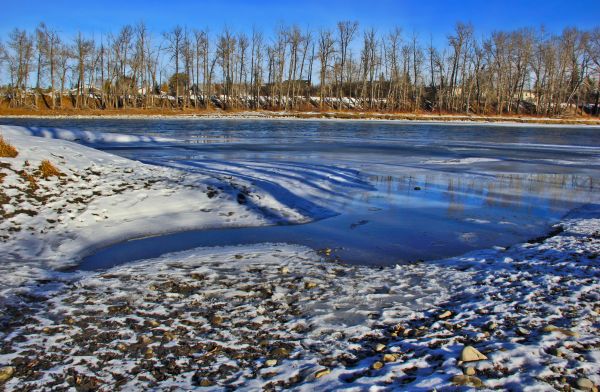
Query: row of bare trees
x=342, y=68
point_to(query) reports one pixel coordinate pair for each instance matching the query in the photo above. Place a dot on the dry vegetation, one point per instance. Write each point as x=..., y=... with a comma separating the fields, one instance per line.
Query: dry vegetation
x=7, y=150
x=47, y=169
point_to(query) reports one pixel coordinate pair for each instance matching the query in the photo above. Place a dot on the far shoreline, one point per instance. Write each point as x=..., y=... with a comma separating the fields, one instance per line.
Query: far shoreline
x=318, y=116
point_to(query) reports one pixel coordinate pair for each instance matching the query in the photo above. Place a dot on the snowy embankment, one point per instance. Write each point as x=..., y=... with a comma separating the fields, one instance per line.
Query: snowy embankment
x=271, y=316
x=99, y=199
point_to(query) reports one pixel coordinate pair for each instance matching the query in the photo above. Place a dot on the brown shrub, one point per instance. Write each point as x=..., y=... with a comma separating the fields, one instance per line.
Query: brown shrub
x=7, y=150
x=47, y=169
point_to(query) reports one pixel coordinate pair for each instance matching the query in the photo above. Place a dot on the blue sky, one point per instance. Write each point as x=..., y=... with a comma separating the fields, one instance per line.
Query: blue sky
x=426, y=17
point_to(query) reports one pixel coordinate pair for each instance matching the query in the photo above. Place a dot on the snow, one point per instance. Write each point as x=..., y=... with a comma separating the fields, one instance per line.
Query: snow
x=215, y=316
x=268, y=316
x=102, y=199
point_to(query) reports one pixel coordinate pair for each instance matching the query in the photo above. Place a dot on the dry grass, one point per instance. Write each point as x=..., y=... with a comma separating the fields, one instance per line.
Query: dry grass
x=7, y=150
x=33, y=185
x=47, y=169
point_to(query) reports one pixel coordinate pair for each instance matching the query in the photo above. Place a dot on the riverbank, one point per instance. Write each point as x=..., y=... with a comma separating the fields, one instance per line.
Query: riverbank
x=269, y=316
x=262, y=114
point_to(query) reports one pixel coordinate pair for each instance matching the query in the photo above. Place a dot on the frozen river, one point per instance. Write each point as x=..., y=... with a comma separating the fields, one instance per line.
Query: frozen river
x=431, y=190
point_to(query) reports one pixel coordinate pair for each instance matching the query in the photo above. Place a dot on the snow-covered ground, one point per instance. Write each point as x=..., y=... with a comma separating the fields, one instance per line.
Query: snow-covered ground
x=100, y=199
x=278, y=316
x=269, y=316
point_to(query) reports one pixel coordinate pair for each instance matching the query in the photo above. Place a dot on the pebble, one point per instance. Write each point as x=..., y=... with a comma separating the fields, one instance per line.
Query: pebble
x=389, y=358
x=380, y=347
x=322, y=372
x=470, y=354
x=377, y=365
x=271, y=362
x=284, y=270
x=310, y=285
x=445, y=315
x=564, y=331
x=279, y=352
x=6, y=373
x=216, y=320
x=467, y=380
x=522, y=331
x=470, y=371
x=585, y=384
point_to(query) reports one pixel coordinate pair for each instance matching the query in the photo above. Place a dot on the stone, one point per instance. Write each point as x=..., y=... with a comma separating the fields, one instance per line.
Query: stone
x=205, y=383
x=6, y=373
x=310, y=285
x=491, y=326
x=522, y=331
x=470, y=371
x=279, y=352
x=463, y=380
x=564, y=331
x=379, y=347
x=585, y=384
x=389, y=358
x=322, y=372
x=122, y=347
x=216, y=320
x=149, y=353
x=445, y=315
x=377, y=365
x=470, y=354
x=271, y=362
x=154, y=323
x=284, y=270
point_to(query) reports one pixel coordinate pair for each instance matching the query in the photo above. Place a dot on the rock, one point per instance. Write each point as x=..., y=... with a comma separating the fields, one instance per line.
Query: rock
x=122, y=347
x=205, y=383
x=310, y=285
x=585, y=384
x=491, y=326
x=284, y=270
x=389, y=358
x=168, y=336
x=470, y=354
x=271, y=362
x=467, y=380
x=279, y=352
x=445, y=315
x=144, y=339
x=322, y=372
x=522, y=331
x=377, y=365
x=216, y=320
x=470, y=371
x=241, y=198
x=380, y=347
x=417, y=188
x=564, y=331
x=153, y=323
x=6, y=373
